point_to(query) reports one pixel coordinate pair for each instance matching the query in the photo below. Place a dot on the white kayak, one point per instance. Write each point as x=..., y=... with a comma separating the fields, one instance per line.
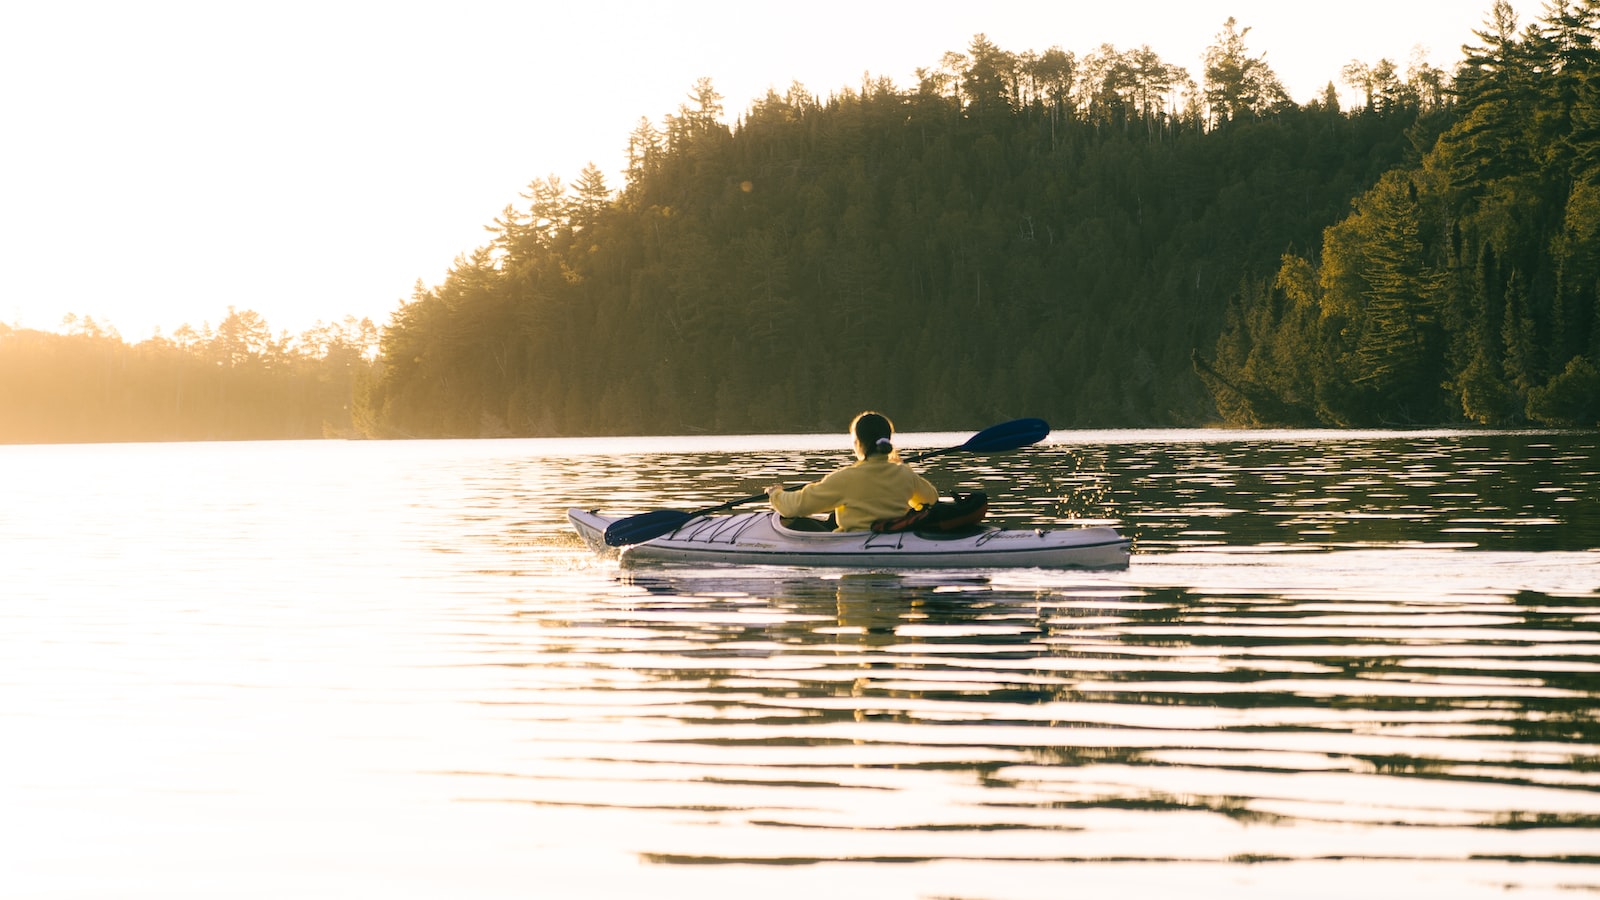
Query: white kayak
x=760, y=538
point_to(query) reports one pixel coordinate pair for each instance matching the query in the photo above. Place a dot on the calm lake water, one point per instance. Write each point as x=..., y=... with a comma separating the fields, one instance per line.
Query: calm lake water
x=1340, y=664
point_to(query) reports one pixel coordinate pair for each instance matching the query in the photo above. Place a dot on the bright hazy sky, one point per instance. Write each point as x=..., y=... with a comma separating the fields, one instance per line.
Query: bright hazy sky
x=161, y=161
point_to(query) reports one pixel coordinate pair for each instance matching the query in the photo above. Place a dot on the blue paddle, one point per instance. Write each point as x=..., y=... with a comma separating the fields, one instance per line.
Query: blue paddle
x=1011, y=435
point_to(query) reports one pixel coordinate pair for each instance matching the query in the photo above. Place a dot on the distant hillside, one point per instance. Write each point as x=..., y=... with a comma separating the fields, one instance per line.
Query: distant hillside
x=235, y=383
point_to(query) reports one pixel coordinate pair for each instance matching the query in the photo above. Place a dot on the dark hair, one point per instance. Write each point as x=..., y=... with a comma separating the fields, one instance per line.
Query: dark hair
x=873, y=432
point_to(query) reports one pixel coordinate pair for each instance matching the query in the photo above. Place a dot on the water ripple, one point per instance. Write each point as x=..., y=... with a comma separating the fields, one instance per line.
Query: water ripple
x=1339, y=663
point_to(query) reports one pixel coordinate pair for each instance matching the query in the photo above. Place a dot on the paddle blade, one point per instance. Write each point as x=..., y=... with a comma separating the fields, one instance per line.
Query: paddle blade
x=1007, y=436
x=645, y=527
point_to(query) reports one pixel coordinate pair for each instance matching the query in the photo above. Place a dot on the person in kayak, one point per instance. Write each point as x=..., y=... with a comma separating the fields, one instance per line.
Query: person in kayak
x=877, y=486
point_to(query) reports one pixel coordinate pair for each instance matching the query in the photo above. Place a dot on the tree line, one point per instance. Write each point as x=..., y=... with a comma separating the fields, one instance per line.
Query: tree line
x=1100, y=239
x=236, y=382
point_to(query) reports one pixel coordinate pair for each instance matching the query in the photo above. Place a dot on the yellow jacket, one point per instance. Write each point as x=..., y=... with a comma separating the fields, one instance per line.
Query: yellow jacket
x=860, y=494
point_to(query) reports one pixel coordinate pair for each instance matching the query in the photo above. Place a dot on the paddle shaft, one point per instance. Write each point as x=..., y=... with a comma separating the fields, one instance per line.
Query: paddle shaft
x=647, y=526
x=762, y=496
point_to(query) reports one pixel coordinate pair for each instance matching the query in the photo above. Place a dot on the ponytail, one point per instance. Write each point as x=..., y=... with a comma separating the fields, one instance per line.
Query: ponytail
x=873, y=433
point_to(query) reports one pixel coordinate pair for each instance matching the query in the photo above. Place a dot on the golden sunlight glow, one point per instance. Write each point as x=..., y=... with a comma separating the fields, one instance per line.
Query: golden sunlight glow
x=177, y=164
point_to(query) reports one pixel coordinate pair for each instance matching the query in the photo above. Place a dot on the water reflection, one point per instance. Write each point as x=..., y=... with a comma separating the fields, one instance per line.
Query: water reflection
x=1493, y=491
x=1374, y=658
x=879, y=716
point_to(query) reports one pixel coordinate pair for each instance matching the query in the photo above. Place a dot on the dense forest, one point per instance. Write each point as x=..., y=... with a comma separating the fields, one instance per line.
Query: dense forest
x=1100, y=240
x=1465, y=285
x=1021, y=234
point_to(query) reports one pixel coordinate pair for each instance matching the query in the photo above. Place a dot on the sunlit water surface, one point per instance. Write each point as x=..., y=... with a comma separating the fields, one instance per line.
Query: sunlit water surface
x=1340, y=664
